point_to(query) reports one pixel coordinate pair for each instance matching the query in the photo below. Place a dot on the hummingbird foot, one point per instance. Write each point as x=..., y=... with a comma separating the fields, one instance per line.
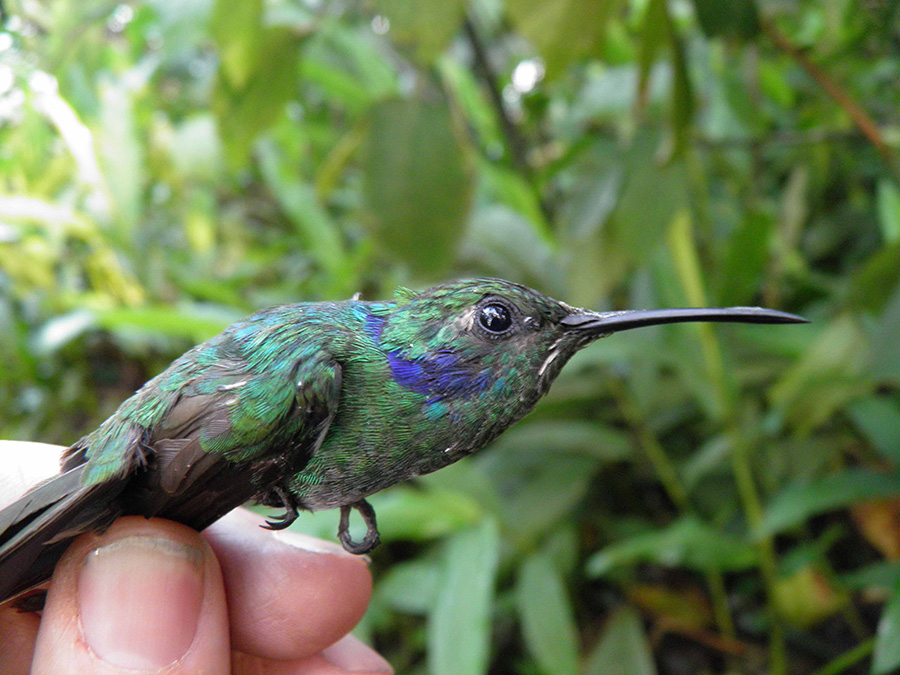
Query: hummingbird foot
x=290, y=512
x=372, y=538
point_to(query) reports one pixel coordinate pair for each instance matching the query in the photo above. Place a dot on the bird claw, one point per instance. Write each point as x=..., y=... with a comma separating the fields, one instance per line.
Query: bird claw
x=283, y=521
x=289, y=516
x=372, y=538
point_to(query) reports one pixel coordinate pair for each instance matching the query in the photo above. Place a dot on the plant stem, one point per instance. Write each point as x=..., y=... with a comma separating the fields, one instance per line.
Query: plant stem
x=515, y=139
x=683, y=248
x=838, y=94
x=518, y=148
x=743, y=476
x=847, y=659
x=668, y=475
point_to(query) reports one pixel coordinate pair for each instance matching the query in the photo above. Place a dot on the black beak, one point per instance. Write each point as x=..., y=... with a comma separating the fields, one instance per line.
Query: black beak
x=604, y=323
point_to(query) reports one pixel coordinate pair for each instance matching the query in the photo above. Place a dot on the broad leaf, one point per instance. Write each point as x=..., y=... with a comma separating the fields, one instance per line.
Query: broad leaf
x=728, y=18
x=418, y=182
x=685, y=543
x=546, y=615
x=425, y=26
x=562, y=30
x=886, y=658
x=459, y=626
x=796, y=503
x=623, y=648
x=878, y=418
x=237, y=29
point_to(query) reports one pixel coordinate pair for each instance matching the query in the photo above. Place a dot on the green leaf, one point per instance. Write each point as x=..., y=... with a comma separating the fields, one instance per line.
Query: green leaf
x=682, y=89
x=408, y=513
x=829, y=374
x=623, y=647
x=886, y=658
x=888, y=201
x=591, y=204
x=298, y=200
x=871, y=285
x=123, y=158
x=461, y=82
x=745, y=260
x=424, y=25
x=338, y=85
x=650, y=198
x=546, y=614
x=243, y=111
x=459, y=627
x=538, y=486
x=350, y=70
x=884, y=574
x=60, y=330
x=562, y=30
x=195, y=323
x=183, y=27
x=411, y=586
x=237, y=29
x=885, y=355
x=503, y=243
x=590, y=438
x=504, y=185
x=878, y=418
x=728, y=18
x=793, y=505
x=687, y=542
x=196, y=149
x=774, y=84
x=653, y=36
x=418, y=182
x=658, y=31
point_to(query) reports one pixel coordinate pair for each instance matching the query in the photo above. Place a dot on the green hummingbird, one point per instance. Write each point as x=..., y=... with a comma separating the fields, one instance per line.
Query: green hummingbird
x=316, y=406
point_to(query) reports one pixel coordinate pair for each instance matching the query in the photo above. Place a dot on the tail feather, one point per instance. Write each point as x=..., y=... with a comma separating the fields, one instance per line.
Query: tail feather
x=173, y=479
x=36, y=529
x=35, y=501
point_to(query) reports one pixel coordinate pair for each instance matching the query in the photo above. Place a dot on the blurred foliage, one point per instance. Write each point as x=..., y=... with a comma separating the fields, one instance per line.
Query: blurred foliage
x=687, y=498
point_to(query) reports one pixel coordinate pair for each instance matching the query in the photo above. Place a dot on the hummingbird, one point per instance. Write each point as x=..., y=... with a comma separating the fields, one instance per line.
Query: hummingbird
x=315, y=406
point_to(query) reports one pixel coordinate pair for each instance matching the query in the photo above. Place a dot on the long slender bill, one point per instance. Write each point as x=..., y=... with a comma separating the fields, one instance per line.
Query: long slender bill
x=612, y=322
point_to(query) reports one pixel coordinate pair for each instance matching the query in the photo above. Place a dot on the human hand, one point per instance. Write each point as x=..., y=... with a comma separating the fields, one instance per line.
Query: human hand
x=156, y=596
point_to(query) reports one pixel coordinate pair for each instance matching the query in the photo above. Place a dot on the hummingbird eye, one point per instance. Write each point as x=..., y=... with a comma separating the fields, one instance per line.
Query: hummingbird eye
x=495, y=318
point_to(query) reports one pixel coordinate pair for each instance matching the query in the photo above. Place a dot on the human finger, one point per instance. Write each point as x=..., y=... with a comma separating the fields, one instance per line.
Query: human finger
x=290, y=595
x=146, y=595
x=18, y=631
x=348, y=655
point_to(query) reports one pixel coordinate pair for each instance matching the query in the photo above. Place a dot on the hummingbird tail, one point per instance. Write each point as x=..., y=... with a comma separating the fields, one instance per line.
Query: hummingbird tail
x=36, y=529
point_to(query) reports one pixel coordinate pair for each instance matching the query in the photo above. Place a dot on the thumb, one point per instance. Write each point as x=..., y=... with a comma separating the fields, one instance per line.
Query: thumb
x=144, y=595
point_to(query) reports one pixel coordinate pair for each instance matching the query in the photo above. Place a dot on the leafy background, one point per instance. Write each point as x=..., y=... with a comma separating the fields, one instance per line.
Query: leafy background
x=688, y=499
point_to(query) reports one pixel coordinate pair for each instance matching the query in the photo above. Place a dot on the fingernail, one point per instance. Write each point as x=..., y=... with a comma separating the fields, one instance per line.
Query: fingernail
x=354, y=656
x=139, y=599
x=313, y=545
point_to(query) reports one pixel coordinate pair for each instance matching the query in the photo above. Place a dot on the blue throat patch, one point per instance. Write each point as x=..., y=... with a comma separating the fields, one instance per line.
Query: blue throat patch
x=439, y=376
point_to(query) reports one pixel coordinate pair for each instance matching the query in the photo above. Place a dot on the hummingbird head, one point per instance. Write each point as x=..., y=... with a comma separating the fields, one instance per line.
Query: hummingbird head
x=491, y=336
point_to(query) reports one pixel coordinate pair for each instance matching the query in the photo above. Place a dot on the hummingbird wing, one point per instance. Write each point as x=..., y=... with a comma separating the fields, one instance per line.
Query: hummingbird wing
x=230, y=435
x=213, y=452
